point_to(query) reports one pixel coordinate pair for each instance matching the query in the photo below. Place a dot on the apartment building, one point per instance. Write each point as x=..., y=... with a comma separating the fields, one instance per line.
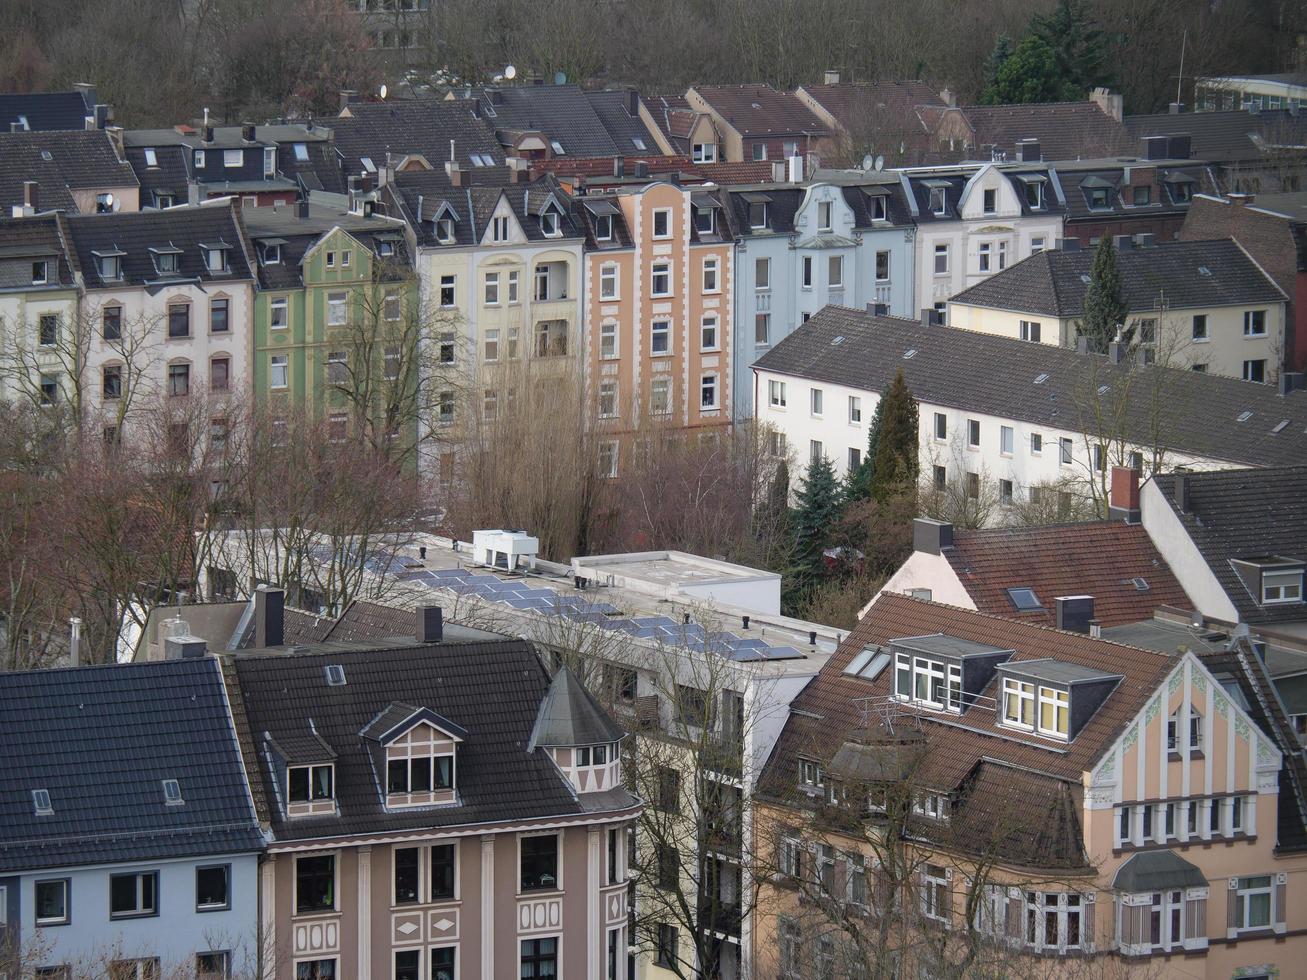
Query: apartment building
x=660, y=325
x=757, y=122
x=844, y=241
x=129, y=846
x=1207, y=306
x=976, y=220
x=1056, y=801
x=75, y=171
x=166, y=310
x=1013, y=418
x=1133, y=196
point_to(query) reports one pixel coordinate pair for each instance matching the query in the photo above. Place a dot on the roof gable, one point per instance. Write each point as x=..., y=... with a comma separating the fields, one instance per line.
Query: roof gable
x=398, y=719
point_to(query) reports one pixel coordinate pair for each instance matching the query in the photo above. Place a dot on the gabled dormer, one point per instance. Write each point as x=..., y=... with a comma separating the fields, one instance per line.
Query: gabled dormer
x=167, y=259
x=216, y=257
x=547, y=210
x=304, y=769
x=414, y=752
x=503, y=227
x=444, y=224
x=579, y=736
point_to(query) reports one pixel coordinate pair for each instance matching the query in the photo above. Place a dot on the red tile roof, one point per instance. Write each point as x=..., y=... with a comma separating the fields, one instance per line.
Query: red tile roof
x=1098, y=558
x=896, y=102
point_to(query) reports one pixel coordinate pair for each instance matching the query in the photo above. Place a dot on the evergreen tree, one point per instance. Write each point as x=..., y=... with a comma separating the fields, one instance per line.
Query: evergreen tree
x=857, y=486
x=1002, y=51
x=1079, y=47
x=1105, y=305
x=897, y=443
x=816, y=511
x=1028, y=74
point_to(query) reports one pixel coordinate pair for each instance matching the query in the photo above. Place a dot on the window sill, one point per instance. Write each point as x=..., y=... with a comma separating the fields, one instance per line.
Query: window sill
x=530, y=893
x=123, y=916
x=201, y=909
x=51, y=923
x=316, y=913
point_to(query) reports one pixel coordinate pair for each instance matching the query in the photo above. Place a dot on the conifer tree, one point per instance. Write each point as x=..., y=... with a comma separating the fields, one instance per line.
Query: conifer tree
x=857, y=485
x=1105, y=304
x=817, y=508
x=895, y=466
x=1079, y=47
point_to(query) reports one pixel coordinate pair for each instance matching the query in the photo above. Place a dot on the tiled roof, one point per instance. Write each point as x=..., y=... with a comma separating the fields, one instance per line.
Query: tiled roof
x=320, y=172
x=1054, y=282
x=423, y=127
x=492, y=690
x=170, y=175
x=101, y=740
x=22, y=240
x=135, y=233
x=628, y=132
x=674, y=116
x=1065, y=130
x=362, y=621
x=1222, y=137
x=890, y=104
x=299, y=235
x=475, y=202
x=59, y=162
x=1077, y=182
x=45, y=111
x=998, y=376
x=299, y=627
x=1098, y=558
x=783, y=201
x=585, y=124
x=759, y=110
x=1245, y=514
x=997, y=772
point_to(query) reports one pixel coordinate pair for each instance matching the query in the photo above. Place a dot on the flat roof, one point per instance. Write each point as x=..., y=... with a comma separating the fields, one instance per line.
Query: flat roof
x=1056, y=671
x=670, y=568
x=944, y=645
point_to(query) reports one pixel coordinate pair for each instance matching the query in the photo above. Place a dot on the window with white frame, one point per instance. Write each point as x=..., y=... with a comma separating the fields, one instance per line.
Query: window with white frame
x=941, y=259
x=934, y=892
x=703, y=153
x=1018, y=703
x=941, y=426
x=499, y=229
x=792, y=954
x=1054, y=712
x=1054, y=920
x=1282, y=586
x=812, y=777
x=761, y=274
x=983, y=256
x=835, y=271
x=776, y=394
x=973, y=433
x=608, y=460
x=279, y=313
x=1254, y=323
x=710, y=270
x=708, y=336
x=1030, y=331
x=1179, y=734
x=608, y=281
x=1253, y=898
x=806, y=280
x=816, y=401
x=550, y=224
x=660, y=337
x=660, y=396
x=708, y=393
x=447, y=291
x=279, y=371
x=705, y=220
x=603, y=228
x=762, y=328
x=855, y=409
x=607, y=399
x=662, y=223
x=660, y=279
x=1006, y=439
x=816, y=451
x=990, y=916
x=492, y=289
x=608, y=340
x=490, y=345
x=337, y=309
x=1036, y=444
x=824, y=211
x=1065, y=448
x=928, y=682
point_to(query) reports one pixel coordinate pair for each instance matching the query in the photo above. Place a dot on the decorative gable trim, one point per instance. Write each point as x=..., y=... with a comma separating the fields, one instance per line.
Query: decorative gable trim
x=398, y=719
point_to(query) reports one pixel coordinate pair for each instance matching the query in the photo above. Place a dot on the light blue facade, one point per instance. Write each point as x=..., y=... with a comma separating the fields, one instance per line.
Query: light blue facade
x=823, y=245
x=91, y=940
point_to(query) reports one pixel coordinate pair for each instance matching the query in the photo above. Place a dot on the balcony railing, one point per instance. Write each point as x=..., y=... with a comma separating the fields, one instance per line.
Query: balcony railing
x=721, y=918
x=884, y=294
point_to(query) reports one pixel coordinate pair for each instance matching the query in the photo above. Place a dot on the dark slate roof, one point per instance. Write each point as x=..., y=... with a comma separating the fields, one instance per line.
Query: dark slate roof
x=422, y=127
x=613, y=109
x=474, y=203
x=859, y=196
x=1157, y=871
x=45, y=110
x=783, y=201
x=753, y=109
x=570, y=716
x=171, y=173
x=1232, y=136
x=101, y=740
x=492, y=690
x=298, y=235
x=586, y=213
x=674, y=117
x=1065, y=130
x=23, y=240
x=76, y=161
x=1076, y=183
x=1054, y=282
x=996, y=376
x=586, y=124
x=1246, y=514
x=185, y=228
x=322, y=171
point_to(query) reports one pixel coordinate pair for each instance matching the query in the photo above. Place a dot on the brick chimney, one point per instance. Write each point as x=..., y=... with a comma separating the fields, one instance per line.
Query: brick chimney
x=1123, y=498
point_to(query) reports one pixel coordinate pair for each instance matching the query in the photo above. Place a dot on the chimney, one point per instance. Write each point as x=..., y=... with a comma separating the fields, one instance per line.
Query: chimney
x=1175, y=108
x=365, y=183
x=744, y=622
x=302, y=208
x=247, y=132
x=778, y=171
x=1068, y=244
x=641, y=169
x=87, y=91
x=102, y=114
x=878, y=309
x=1290, y=381
x=1096, y=629
x=830, y=77
x=1241, y=199
x=930, y=536
x=455, y=173
x=1178, y=146
x=347, y=95
x=1074, y=612
x=619, y=166
x=633, y=103
x=74, y=642
x=31, y=196
x=115, y=134
x=208, y=134
x=929, y=316
x=1145, y=239
x=947, y=97
x=1111, y=103
x=184, y=647
x=430, y=624
x=269, y=607
x=1082, y=344
x=1181, y=492
x=1028, y=151
x=1155, y=147
x=796, y=169
x=1123, y=499
x=812, y=638
x=1116, y=351
x=1122, y=242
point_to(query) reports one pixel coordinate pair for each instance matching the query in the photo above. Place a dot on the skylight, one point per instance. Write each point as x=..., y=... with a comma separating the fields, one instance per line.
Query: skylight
x=1024, y=599
x=1041, y=379
x=1244, y=416
x=41, y=801
x=1204, y=271
x=868, y=664
x=151, y=159
x=1140, y=583
x=558, y=147
x=1104, y=389
x=908, y=355
x=368, y=165
x=639, y=143
x=301, y=152
x=172, y=793
x=1279, y=426
x=1085, y=279
x=837, y=341
x=335, y=675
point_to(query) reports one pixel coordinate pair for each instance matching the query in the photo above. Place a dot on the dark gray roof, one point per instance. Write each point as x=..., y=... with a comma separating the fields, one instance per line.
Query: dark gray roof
x=783, y=201
x=296, y=235
x=135, y=233
x=1157, y=871
x=947, y=646
x=1065, y=130
x=36, y=238
x=45, y=111
x=1236, y=514
x=101, y=740
x=569, y=716
x=1054, y=282
x=1076, y=181
x=492, y=690
x=170, y=174
x=624, y=129
x=474, y=203
x=423, y=127
x=585, y=124
x=1227, y=137
x=1057, y=671
x=998, y=376
x=76, y=161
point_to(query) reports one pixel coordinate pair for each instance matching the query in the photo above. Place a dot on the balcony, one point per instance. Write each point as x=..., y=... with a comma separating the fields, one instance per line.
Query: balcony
x=551, y=282
x=723, y=755
x=884, y=294
x=721, y=918
x=551, y=338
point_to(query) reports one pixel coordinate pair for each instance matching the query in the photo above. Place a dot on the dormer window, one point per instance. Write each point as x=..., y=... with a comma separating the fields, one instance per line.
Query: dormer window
x=878, y=208
x=167, y=261
x=445, y=231
x=1097, y=198
x=549, y=224
x=233, y=158
x=499, y=229
x=604, y=228
x=943, y=673
x=215, y=258
x=416, y=747
x=40, y=272
x=1037, y=696
x=198, y=159
x=938, y=201
x=272, y=253
x=704, y=221
x=1282, y=587
x=419, y=774
x=109, y=264
x=928, y=682
x=1271, y=579
x=311, y=789
x=41, y=802
x=757, y=209
x=1034, y=192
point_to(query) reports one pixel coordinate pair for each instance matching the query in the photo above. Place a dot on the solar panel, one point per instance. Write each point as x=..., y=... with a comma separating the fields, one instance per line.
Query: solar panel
x=655, y=621
x=783, y=653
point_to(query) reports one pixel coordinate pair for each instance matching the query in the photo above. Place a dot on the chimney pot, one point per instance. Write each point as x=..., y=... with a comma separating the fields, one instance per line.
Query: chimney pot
x=347, y=96
x=247, y=132
x=269, y=616
x=75, y=642
x=745, y=621
x=1096, y=629
x=633, y=103
x=1116, y=351
x=812, y=638
x=430, y=624
x=930, y=536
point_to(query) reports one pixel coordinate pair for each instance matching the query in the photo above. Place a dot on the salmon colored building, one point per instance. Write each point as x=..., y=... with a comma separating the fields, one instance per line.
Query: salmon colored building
x=659, y=271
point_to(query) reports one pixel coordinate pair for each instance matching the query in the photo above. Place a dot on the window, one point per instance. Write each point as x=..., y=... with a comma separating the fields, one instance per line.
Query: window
x=660, y=337
x=141, y=969
x=49, y=389
x=408, y=964
x=934, y=892
x=1282, y=587
x=1255, y=370
x=337, y=309
x=316, y=970
x=219, y=321
x=337, y=367
x=1141, y=196
x=52, y=902
x=1097, y=197
x=665, y=952
x=219, y=373
x=419, y=774
x=198, y=159
x=940, y=477
x=330, y=260
x=1035, y=195
x=179, y=379
x=762, y=328
x=179, y=320
x=279, y=371
x=932, y=683
x=705, y=220
x=232, y=158
x=835, y=271
x=492, y=289
x=307, y=784
x=1036, y=444
x=941, y=426
x=708, y=338
x=112, y=381
x=941, y=260
x=40, y=272
x=447, y=290
x=499, y=229
x=608, y=399
x=855, y=409
x=213, y=888
x=603, y=227
x=214, y=965
x=855, y=460
x=444, y=871
x=1053, y=920
x=608, y=282
x=816, y=451
x=973, y=433
x=1005, y=440
x=1065, y=447
x=710, y=266
x=1036, y=245
x=550, y=226
x=807, y=272
x=776, y=394
x=133, y=895
x=708, y=393
x=793, y=957
x=662, y=223
x=445, y=231
x=539, y=958
x=1054, y=712
x=542, y=283
x=972, y=485
x=984, y=250
x=757, y=214
x=111, y=323
x=443, y=962
x=703, y=153
x=1018, y=703
x=761, y=274
x=539, y=862
x=607, y=340
x=938, y=201
x=1200, y=327
x=1193, y=731
x=815, y=398
x=990, y=204
x=1030, y=331
x=315, y=884
x=660, y=396
x=279, y=313
x=759, y=151
x=660, y=279
x=1252, y=903
x=1005, y=492
x=48, y=330
x=824, y=216
x=215, y=260
x=1254, y=323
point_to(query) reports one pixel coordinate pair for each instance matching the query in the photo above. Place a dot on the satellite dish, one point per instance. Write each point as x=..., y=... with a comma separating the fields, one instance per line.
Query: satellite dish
x=510, y=73
x=880, y=162
x=383, y=90
x=866, y=162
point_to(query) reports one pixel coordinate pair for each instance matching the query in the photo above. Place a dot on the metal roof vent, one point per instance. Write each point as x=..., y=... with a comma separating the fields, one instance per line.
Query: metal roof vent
x=1244, y=416
x=908, y=355
x=172, y=793
x=1041, y=379
x=335, y=675
x=41, y=801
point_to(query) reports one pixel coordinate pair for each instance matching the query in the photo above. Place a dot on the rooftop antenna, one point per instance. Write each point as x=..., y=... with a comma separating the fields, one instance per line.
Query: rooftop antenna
x=1180, y=80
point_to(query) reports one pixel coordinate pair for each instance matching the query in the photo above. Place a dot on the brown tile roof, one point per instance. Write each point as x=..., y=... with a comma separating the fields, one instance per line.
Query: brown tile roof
x=1065, y=130
x=1098, y=558
x=748, y=172
x=672, y=114
x=852, y=103
x=760, y=110
x=299, y=627
x=831, y=708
